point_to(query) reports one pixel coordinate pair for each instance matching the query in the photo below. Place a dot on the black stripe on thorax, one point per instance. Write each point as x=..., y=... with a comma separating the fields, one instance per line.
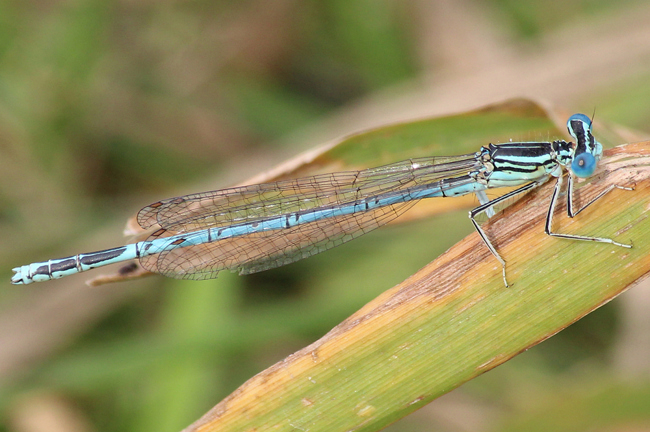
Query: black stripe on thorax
x=527, y=150
x=516, y=168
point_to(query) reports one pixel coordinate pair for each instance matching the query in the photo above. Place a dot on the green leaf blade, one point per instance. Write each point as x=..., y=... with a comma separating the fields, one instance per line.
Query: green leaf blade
x=454, y=319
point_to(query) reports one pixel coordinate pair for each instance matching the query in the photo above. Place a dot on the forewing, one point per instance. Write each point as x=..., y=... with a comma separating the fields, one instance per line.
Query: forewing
x=257, y=202
x=268, y=249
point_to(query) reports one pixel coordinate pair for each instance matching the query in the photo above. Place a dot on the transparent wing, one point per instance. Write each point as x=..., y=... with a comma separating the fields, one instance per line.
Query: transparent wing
x=257, y=202
x=268, y=249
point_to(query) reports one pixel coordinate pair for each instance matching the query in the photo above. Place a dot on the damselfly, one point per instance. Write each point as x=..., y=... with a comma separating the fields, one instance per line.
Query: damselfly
x=253, y=228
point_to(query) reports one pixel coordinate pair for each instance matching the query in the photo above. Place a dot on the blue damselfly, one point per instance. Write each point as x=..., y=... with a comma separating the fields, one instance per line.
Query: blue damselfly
x=253, y=228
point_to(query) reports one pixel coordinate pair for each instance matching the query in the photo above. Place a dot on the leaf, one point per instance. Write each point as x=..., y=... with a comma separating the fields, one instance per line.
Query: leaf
x=454, y=319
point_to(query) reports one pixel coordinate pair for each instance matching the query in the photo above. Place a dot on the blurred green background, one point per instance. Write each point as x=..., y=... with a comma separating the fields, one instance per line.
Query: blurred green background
x=108, y=105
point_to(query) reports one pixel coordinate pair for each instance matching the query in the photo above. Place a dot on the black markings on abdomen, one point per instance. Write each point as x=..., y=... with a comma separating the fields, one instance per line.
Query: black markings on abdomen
x=101, y=256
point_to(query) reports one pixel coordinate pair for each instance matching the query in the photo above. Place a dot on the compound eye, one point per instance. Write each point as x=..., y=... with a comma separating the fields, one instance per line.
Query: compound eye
x=583, y=165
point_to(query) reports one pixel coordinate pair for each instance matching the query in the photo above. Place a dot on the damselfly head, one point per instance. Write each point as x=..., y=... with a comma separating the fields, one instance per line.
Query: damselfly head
x=587, y=150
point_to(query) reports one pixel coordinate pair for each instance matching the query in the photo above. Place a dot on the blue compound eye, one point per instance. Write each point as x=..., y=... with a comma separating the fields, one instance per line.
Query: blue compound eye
x=583, y=165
